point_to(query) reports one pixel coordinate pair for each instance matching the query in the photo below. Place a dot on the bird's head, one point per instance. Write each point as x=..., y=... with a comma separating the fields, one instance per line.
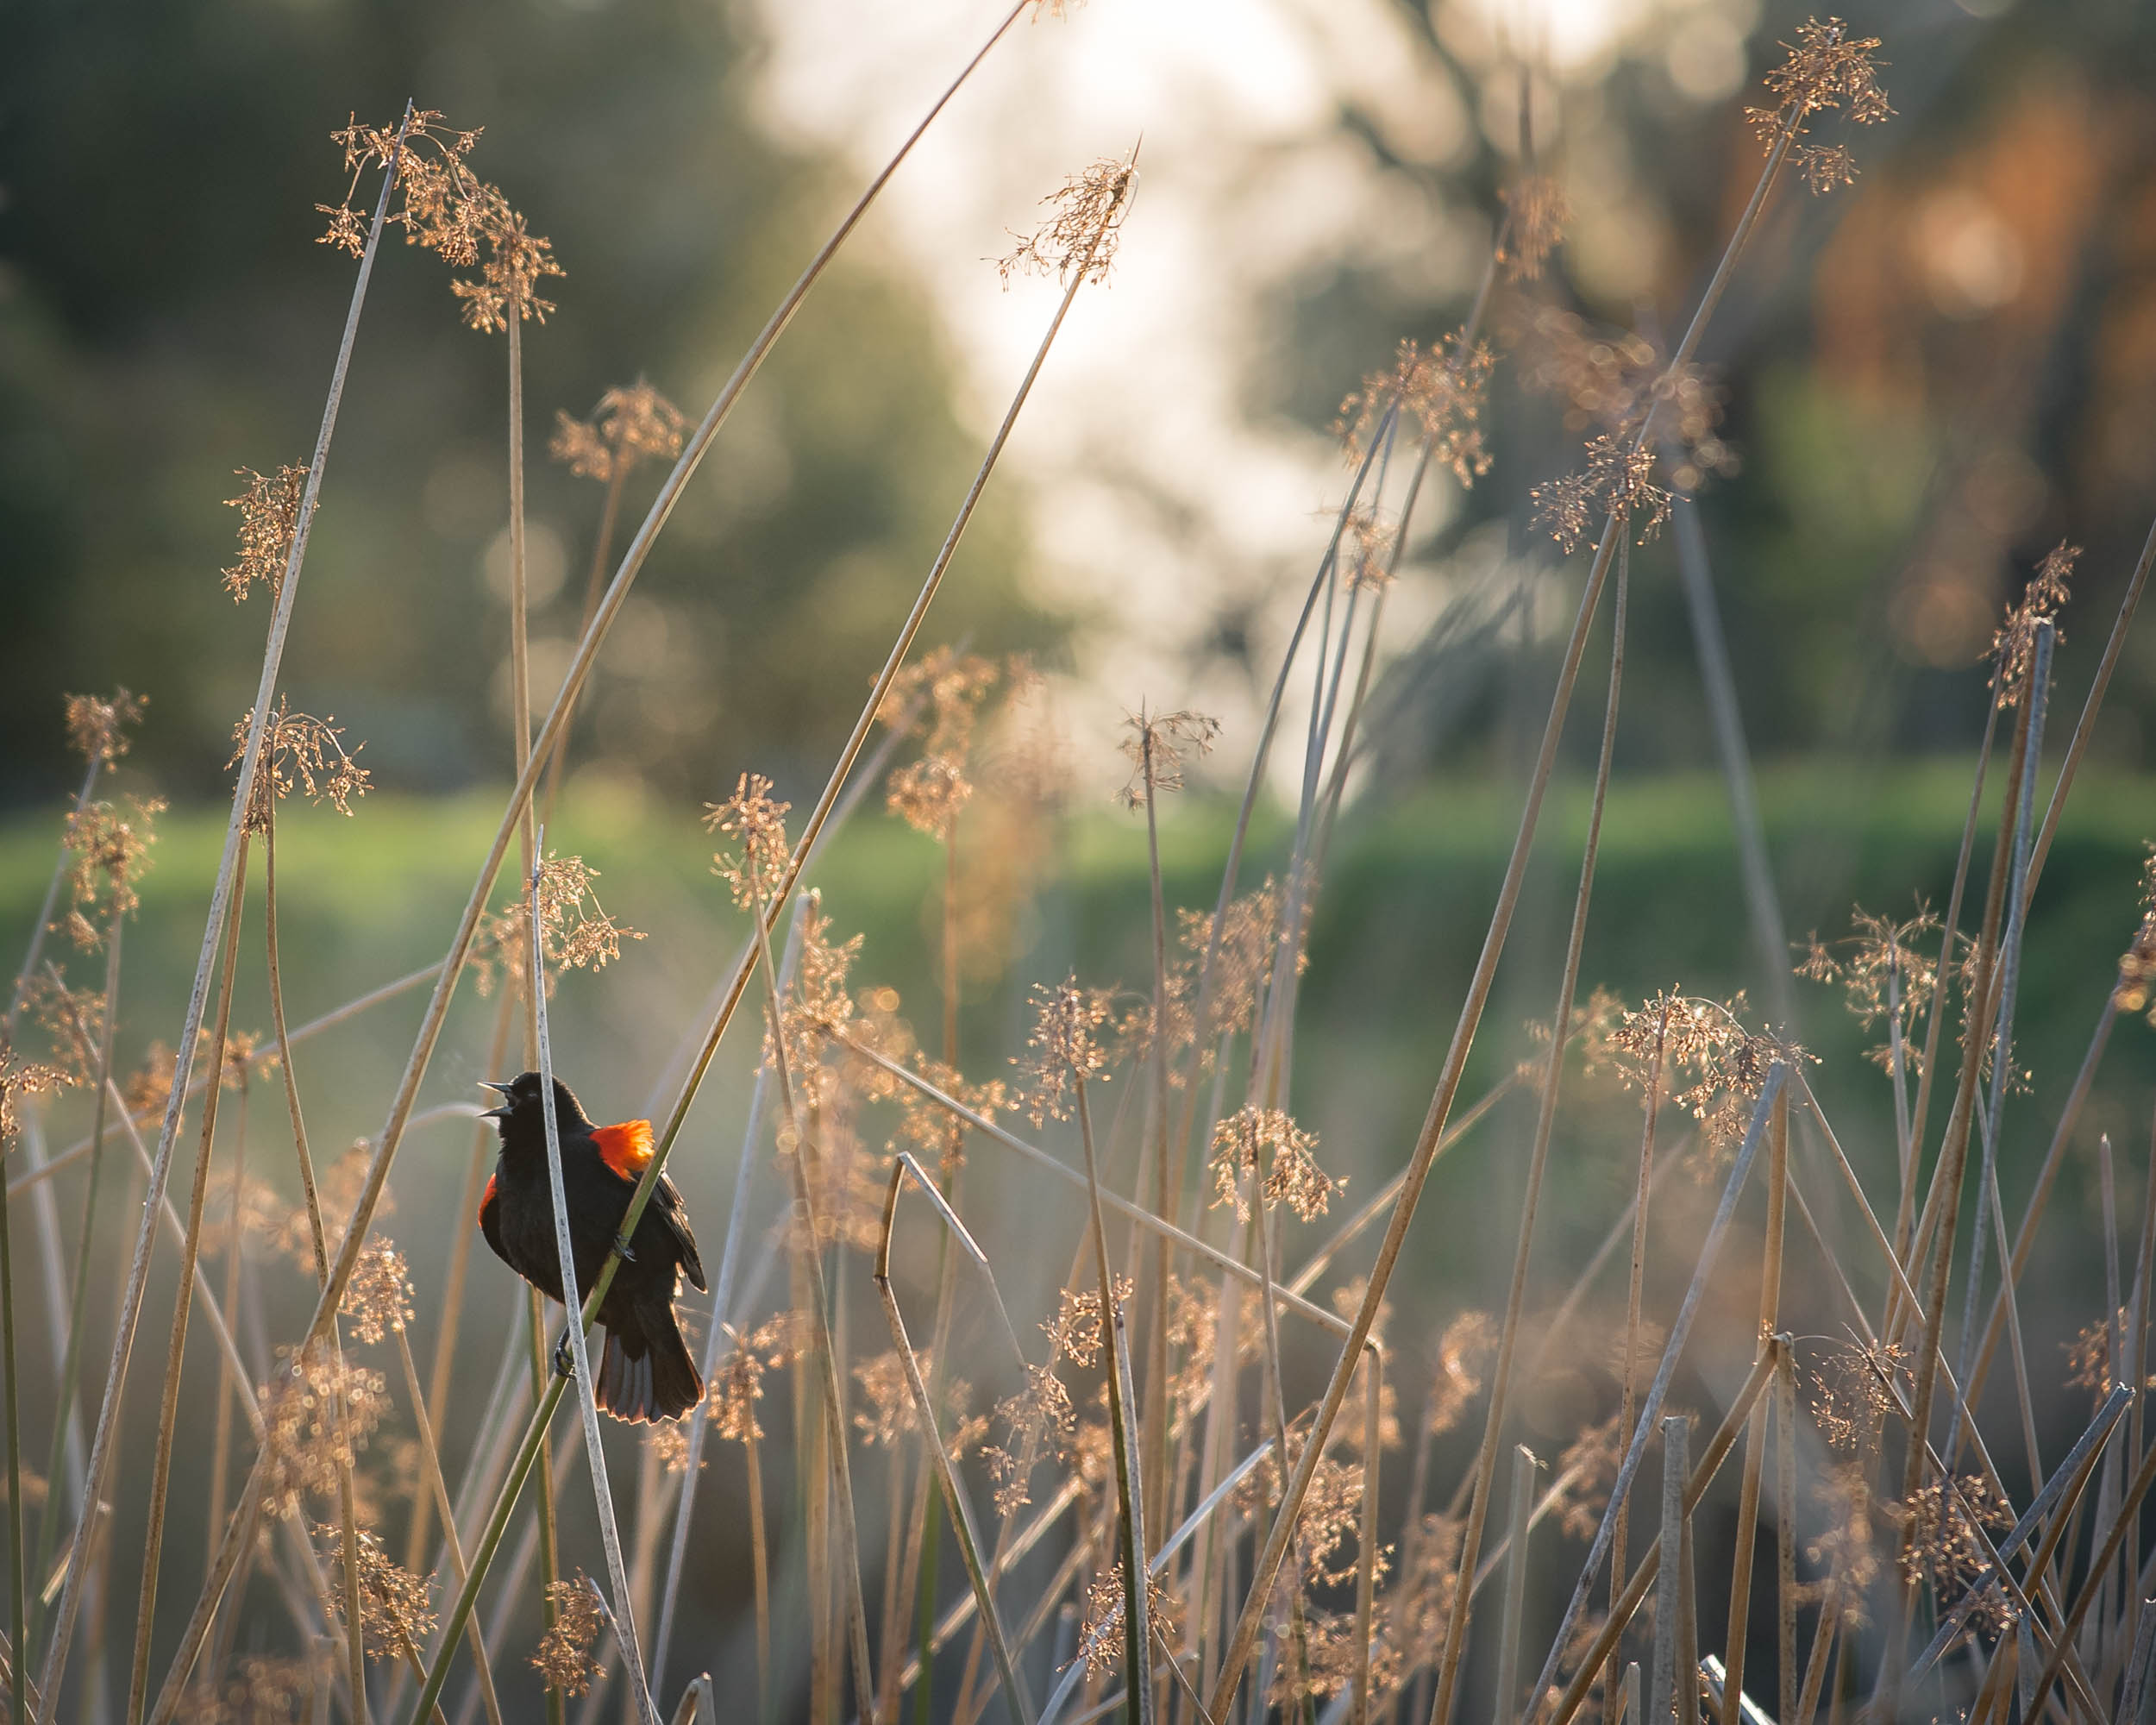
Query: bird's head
x=522, y=1115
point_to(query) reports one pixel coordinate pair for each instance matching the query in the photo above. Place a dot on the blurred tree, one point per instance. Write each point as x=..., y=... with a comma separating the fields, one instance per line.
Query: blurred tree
x=1929, y=377
x=166, y=317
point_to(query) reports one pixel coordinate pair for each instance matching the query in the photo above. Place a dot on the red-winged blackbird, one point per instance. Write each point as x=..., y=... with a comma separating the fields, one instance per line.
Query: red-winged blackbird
x=645, y=1372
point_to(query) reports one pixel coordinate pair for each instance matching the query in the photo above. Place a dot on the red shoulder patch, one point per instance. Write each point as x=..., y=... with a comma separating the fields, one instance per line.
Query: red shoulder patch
x=486, y=1199
x=625, y=1148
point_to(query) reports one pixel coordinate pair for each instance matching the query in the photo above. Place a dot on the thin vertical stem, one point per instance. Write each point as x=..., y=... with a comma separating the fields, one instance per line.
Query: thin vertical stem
x=1523, y=1468
x=587, y=1402
x=183, y=1297
x=1756, y=1435
x=1668, y=1604
x=1546, y=1121
x=1130, y=1501
x=66, y=1410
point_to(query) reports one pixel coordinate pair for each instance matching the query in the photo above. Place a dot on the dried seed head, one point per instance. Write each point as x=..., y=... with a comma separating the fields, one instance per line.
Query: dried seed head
x=74, y=1019
x=1826, y=68
x=396, y=1607
x=269, y=517
x=1065, y=1049
x=631, y=423
x=97, y=729
x=1852, y=1393
x=564, y=1657
x=2015, y=643
x=754, y=817
x=1101, y=1638
x=1845, y=1548
x=259, y=1690
x=1267, y=1141
x=1249, y=934
x=2089, y=1354
x=1464, y=1351
x=109, y=848
x=320, y=1414
x=300, y=752
x=929, y=793
x=1616, y=486
x=1039, y=1418
x=1075, y=1332
x=669, y=1444
x=2137, y=965
x=1942, y=1543
x=1443, y=390
x=1156, y=745
x=379, y=1297
x=1886, y=970
x=1082, y=231
x=451, y=211
x=1539, y=211
x=1711, y=1065
x=19, y=1078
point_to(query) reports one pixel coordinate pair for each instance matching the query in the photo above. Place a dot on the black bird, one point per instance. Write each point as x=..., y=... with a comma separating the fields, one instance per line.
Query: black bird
x=645, y=1371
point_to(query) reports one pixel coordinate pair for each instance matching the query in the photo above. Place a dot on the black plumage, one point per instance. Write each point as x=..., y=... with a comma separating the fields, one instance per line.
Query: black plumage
x=644, y=1370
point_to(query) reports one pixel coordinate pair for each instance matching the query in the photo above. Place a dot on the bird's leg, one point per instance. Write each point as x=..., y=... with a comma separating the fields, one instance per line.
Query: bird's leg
x=622, y=1250
x=564, y=1356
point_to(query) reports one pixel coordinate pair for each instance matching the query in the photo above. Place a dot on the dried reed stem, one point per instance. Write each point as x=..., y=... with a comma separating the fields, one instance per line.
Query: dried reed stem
x=722, y=1299
x=1628, y=1401
x=1538, y=1161
x=438, y=1494
x=955, y=1500
x=1651, y=1409
x=2085, y=725
x=811, y=1251
x=1620, y=1612
x=1523, y=1468
x=1756, y=1434
x=67, y=1412
x=483, y=1141
x=168, y=1407
x=587, y=1396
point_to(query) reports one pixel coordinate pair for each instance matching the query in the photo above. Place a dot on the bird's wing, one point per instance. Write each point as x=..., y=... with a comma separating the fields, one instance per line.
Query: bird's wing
x=667, y=1199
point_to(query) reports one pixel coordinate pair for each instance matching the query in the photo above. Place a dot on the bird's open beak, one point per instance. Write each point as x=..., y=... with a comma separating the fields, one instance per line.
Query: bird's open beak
x=493, y=1114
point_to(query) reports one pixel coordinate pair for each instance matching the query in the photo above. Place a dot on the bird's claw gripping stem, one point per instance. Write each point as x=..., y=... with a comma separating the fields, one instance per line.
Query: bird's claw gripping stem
x=564, y=1356
x=622, y=1250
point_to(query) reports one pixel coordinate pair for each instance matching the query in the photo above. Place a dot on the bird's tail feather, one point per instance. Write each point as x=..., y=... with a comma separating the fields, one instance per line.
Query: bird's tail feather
x=646, y=1374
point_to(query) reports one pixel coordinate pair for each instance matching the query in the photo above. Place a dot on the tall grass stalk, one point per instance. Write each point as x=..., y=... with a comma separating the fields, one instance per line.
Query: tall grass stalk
x=2001, y=1031
x=1627, y=1603
x=65, y=1400
x=722, y=1307
x=1943, y=1202
x=1538, y=1159
x=955, y=1500
x=453, y=1283
x=587, y=1397
x=437, y=1492
x=1756, y=1436
x=1651, y=1408
x=168, y=1410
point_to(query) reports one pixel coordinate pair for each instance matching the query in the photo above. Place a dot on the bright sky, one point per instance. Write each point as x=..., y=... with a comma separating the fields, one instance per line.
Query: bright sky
x=1159, y=498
